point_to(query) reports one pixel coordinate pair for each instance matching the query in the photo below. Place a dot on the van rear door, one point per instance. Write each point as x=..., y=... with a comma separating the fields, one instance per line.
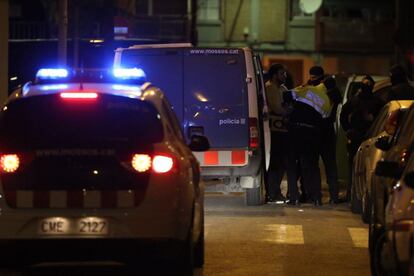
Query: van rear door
x=163, y=68
x=215, y=96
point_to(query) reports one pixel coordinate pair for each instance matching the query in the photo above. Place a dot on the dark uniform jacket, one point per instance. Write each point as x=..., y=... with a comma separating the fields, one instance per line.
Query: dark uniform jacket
x=358, y=114
x=402, y=91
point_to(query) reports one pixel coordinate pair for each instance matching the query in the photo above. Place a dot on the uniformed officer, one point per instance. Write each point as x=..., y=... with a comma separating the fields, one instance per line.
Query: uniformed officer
x=310, y=105
x=278, y=156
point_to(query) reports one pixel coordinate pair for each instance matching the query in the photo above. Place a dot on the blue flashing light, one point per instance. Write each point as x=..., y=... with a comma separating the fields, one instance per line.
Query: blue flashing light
x=54, y=87
x=129, y=73
x=121, y=87
x=52, y=73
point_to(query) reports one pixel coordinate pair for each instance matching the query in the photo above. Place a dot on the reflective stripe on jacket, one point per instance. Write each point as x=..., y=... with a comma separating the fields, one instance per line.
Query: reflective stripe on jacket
x=314, y=96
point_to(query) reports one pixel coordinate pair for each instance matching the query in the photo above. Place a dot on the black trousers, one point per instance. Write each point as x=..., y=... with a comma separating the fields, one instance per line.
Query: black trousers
x=304, y=149
x=328, y=155
x=352, y=150
x=278, y=163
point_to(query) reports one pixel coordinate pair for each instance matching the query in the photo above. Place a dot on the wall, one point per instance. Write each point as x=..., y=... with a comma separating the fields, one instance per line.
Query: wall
x=4, y=51
x=263, y=20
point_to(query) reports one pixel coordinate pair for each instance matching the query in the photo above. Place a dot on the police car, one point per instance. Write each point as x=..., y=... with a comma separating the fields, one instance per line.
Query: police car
x=93, y=165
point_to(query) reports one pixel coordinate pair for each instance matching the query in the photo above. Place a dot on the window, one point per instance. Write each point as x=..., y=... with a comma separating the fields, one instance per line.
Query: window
x=296, y=12
x=208, y=10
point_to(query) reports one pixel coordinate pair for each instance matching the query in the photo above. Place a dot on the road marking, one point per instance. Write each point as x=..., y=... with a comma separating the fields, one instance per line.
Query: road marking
x=359, y=236
x=284, y=234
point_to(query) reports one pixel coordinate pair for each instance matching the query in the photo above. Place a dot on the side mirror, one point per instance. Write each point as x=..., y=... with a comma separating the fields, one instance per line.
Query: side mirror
x=388, y=169
x=383, y=143
x=199, y=143
x=409, y=179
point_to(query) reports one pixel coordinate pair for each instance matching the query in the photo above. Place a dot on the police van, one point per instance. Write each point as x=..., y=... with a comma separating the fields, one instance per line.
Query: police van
x=219, y=93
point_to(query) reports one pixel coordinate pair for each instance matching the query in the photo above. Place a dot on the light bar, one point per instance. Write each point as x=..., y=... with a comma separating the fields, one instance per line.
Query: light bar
x=53, y=87
x=129, y=73
x=49, y=73
x=79, y=95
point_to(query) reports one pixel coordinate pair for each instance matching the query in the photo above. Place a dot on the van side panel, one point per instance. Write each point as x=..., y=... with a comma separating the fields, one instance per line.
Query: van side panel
x=163, y=68
x=215, y=96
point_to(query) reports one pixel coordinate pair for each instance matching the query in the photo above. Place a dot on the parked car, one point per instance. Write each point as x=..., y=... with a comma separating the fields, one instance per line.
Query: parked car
x=388, y=171
x=84, y=155
x=396, y=254
x=368, y=155
x=218, y=92
x=382, y=85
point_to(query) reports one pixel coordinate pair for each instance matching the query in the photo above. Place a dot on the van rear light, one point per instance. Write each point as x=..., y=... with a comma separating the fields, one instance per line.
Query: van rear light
x=254, y=133
x=9, y=163
x=162, y=164
x=158, y=163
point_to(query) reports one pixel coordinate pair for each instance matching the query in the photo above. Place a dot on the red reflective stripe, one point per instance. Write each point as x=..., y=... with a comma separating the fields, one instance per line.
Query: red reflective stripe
x=108, y=199
x=211, y=158
x=41, y=199
x=75, y=199
x=11, y=198
x=238, y=157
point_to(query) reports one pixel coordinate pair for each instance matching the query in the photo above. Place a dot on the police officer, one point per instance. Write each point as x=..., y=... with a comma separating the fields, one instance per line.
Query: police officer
x=278, y=156
x=310, y=105
x=401, y=89
x=328, y=141
x=328, y=136
x=356, y=117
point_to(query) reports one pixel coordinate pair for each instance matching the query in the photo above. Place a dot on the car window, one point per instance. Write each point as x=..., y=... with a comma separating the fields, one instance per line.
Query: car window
x=378, y=125
x=353, y=89
x=108, y=121
x=406, y=132
x=383, y=93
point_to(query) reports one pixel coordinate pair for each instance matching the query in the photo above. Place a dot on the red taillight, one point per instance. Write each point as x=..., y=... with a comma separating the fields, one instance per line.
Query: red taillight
x=9, y=163
x=162, y=164
x=254, y=133
x=392, y=122
x=79, y=95
x=158, y=163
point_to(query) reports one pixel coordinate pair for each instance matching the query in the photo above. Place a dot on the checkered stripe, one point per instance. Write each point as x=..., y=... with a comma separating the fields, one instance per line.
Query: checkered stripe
x=222, y=158
x=73, y=199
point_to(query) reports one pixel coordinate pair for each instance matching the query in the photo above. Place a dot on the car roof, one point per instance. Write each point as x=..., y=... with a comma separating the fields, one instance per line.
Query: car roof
x=125, y=90
x=382, y=83
x=402, y=104
x=145, y=92
x=358, y=78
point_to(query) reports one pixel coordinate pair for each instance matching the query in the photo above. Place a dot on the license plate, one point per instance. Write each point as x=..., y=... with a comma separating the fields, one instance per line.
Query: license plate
x=69, y=226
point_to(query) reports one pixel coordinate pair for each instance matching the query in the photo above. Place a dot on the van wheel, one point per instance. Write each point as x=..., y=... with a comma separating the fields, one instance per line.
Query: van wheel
x=255, y=196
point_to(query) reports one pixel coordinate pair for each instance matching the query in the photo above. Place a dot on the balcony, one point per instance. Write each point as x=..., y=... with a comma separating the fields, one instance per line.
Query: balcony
x=354, y=35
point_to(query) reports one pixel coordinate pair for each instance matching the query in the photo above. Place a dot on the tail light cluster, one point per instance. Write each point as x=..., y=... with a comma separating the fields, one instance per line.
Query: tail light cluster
x=254, y=133
x=156, y=163
x=9, y=163
x=392, y=122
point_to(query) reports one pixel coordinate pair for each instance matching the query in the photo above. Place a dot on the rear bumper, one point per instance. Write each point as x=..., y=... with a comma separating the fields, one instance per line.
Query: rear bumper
x=251, y=169
x=31, y=251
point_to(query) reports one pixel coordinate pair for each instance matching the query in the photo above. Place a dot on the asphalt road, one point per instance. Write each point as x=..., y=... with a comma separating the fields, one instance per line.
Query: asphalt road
x=261, y=240
x=281, y=240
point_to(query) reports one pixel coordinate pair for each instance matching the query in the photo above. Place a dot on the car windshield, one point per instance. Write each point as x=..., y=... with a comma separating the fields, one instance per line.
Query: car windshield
x=50, y=121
